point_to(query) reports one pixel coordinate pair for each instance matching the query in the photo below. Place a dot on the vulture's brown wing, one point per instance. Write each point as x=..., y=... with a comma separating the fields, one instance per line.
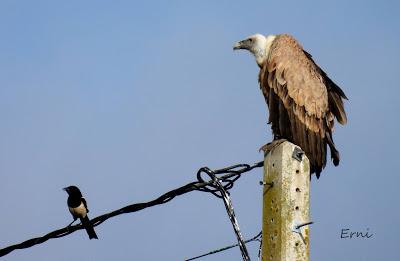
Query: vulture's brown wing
x=335, y=95
x=298, y=102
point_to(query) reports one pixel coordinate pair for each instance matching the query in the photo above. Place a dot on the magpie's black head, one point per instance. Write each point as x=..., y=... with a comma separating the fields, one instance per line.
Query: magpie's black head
x=73, y=191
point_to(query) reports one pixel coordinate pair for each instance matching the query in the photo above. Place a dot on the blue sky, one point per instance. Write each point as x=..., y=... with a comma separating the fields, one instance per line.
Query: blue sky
x=127, y=100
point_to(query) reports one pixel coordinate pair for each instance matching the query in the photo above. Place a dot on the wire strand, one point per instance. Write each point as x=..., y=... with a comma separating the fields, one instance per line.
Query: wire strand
x=255, y=238
x=229, y=209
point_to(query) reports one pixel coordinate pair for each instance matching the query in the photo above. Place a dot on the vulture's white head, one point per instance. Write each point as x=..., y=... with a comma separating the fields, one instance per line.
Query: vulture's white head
x=258, y=44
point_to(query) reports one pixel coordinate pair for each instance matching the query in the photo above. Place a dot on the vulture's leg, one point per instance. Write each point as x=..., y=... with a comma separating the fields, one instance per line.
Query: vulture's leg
x=267, y=148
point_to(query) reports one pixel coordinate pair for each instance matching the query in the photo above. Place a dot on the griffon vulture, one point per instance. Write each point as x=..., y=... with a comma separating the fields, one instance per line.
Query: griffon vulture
x=302, y=100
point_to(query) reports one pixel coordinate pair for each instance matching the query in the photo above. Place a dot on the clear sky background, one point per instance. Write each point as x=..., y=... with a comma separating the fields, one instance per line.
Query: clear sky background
x=128, y=99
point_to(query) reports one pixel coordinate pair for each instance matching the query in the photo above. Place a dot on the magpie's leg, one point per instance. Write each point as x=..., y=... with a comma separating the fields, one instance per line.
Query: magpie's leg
x=70, y=224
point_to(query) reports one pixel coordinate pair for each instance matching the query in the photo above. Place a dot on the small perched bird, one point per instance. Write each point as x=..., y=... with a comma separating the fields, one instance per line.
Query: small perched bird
x=302, y=100
x=78, y=208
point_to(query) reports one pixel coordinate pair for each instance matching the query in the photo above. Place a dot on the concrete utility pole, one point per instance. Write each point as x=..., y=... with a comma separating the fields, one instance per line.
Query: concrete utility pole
x=286, y=205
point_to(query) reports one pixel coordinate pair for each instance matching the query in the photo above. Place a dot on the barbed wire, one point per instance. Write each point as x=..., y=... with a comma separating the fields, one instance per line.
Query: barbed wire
x=221, y=180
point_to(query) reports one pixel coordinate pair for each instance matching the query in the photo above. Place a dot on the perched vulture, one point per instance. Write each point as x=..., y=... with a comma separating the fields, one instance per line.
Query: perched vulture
x=302, y=100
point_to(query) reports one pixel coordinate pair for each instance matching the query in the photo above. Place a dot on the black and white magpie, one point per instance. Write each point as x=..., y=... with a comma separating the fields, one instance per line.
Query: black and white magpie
x=78, y=208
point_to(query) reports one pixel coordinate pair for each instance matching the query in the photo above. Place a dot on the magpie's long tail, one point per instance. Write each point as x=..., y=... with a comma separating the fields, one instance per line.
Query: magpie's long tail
x=89, y=228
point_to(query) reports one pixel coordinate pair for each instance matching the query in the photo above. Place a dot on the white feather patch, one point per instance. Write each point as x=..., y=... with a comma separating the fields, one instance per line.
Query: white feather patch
x=79, y=211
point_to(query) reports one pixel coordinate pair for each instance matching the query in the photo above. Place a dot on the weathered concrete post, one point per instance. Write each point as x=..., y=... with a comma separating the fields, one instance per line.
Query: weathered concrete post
x=286, y=204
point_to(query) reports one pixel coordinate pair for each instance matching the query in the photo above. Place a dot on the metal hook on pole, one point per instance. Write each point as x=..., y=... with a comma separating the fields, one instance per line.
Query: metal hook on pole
x=297, y=228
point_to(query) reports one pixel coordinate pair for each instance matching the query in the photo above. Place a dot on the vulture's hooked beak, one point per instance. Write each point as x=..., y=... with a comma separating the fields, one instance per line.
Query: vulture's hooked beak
x=238, y=45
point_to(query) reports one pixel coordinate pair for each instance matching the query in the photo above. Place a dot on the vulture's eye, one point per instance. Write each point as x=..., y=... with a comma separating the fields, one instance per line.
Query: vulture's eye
x=250, y=40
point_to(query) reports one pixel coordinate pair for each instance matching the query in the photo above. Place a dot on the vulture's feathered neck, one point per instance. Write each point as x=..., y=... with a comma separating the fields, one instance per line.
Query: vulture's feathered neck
x=261, y=49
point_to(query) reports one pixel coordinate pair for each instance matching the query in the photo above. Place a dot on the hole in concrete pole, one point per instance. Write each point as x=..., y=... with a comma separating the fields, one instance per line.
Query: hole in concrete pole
x=297, y=208
x=297, y=171
x=297, y=190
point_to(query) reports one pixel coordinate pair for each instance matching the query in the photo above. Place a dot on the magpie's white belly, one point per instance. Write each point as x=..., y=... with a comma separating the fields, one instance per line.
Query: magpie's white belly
x=79, y=211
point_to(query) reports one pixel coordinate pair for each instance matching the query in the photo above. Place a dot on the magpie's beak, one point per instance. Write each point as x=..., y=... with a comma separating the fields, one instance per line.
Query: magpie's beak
x=65, y=189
